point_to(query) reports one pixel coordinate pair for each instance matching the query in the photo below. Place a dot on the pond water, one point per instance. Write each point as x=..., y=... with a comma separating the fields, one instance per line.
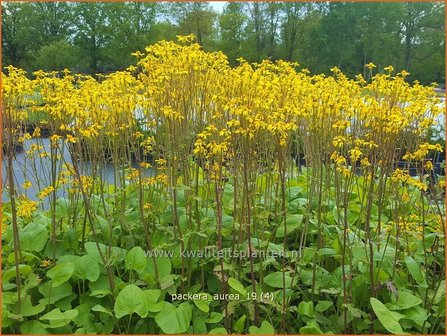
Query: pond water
x=37, y=170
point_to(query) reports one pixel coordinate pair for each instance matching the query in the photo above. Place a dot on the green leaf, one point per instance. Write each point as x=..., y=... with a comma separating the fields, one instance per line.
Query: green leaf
x=415, y=271
x=323, y=306
x=198, y=323
x=293, y=222
x=416, y=314
x=306, y=308
x=59, y=319
x=33, y=237
x=276, y=280
x=11, y=272
x=405, y=300
x=237, y=286
x=51, y=295
x=218, y=331
x=129, y=301
x=86, y=268
x=164, y=268
x=135, y=259
x=174, y=320
x=102, y=309
x=151, y=297
x=310, y=330
x=27, y=309
x=265, y=329
x=33, y=328
x=240, y=324
x=326, y=251
x=389, y=319
x=61, y=273
x=112, y=255
x=214, y=318
x=204, y=305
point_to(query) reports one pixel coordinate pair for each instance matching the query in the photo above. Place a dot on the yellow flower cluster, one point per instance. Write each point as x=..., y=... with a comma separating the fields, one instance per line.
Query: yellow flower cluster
x=26, y=207
x=45, y=192
x=187, y=106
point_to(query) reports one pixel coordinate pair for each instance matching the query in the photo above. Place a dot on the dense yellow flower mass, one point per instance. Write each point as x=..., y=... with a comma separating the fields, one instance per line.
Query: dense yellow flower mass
x=183, y=104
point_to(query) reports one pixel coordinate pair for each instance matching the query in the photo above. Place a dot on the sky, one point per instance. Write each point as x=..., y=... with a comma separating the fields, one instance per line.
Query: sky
x=217, y=5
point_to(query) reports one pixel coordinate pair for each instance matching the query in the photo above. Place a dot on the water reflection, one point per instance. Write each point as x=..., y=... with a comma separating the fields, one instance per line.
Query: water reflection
x=37, y=170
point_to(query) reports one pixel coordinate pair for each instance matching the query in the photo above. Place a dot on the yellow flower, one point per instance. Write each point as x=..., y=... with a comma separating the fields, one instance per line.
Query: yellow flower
x=400, y=175
x=160, y=162
x=46, y=263
x=26, y=208
x=70, y=138
x=428, y=165
x=365, y=162
x=355, y=154
x=45, y=192
x=133, y=174
x=54, y=138
x=27, y=184
x=405, y=196
x=36, y=133
x=185, y=38
x=145, y=165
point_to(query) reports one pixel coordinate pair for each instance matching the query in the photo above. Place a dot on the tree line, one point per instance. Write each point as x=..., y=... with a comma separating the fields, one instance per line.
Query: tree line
x=100, y=37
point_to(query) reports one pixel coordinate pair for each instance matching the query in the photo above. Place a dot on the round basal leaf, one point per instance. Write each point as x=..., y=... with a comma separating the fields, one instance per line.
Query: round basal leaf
x=415, y=271
x=275, y=280
x=218, y=331
x=53, y=294
x=27, y=309
x=240, y=324
x=86, y=268
x=204, y=305
x=33, y=237
x=164, y=268
x=129, y=301
x=293, y=222
x=112, y=255
x=151, y=297
x=174, y=320
x=417, y=315
x=389, y=319
x=11, y=272
x=135, y=259
x=323, y=306
x=405, y=300
x=214, y=318
x=265, y=329
x=237, y=286
x=33, y=328
x=102, y=309
x=310, y=330
x=59, y=319
x=60, y=273
x=306, y=309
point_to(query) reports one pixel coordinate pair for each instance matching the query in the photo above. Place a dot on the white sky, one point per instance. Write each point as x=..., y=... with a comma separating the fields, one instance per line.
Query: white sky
x=217, y=5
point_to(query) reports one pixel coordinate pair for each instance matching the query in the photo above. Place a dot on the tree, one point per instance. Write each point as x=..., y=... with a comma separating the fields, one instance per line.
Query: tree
x=92, y=31
x=58, y=55
x=232, y=23
x=195, y=18
x=297, y=20
x=256, y=30
x=17, y=40
x=129, y=30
